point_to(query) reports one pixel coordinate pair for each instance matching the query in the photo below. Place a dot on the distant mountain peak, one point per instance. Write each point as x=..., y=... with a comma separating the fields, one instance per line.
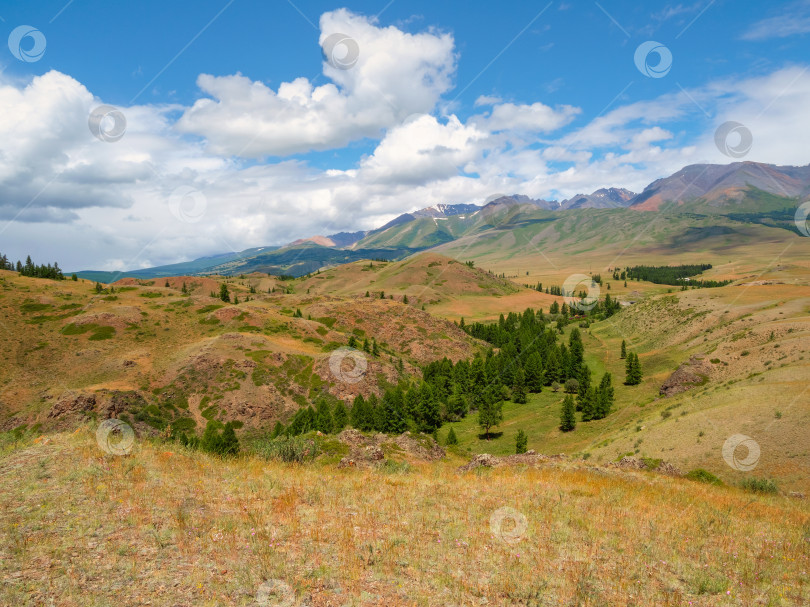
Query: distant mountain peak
x=603, y=198
x=723, y=184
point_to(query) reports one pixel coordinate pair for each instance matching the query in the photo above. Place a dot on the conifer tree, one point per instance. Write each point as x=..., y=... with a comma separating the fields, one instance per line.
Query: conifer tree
x=393, y=412
x=633, y=370
x=519, y=387
x=490, y=413
x=457, y=406
x=587, y=404
x=604, y=402
x=535, y=376
x=568, y=420
x=521, y=442
x=624, y=350
x=323, y=417
x=452, y=439
x=359, y=416
x=228, y=443
x=428, y=416
x=224, y=294
x=366, y=347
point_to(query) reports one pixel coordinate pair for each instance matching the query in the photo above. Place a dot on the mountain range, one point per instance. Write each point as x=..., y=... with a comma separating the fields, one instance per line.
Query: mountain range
x=764, y=193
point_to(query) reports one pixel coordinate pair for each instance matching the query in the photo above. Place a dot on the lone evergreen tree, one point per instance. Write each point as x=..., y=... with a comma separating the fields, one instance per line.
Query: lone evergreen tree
x=490, y=413
x=633, y=370
x=624, y=350
x=224, y=294
x=521, y=442
x=568, y=419
x=452, y=439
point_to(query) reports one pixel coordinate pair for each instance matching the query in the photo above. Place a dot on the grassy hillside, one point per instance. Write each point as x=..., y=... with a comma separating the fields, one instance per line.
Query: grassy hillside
x=152, y=354
x=175, y=527
x=753, y=347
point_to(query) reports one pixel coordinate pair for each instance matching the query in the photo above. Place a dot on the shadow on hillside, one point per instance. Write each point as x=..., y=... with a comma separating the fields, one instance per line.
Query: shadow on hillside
x=491, y=435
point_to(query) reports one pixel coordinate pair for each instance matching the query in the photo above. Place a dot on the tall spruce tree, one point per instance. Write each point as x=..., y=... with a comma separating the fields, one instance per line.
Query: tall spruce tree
x=604, y=402
x=568, y=419
x=428, y=416
x=632, y=369
x=519, y=387
x=588, y=404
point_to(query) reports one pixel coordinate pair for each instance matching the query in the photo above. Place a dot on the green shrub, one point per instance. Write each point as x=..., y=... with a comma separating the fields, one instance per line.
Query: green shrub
x=225, y=443
x=759, y=485
x=651, y=463
x=293, y=449
x=703, y=476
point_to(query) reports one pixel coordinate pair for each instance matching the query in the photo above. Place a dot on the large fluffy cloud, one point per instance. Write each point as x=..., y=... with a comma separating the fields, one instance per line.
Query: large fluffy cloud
x=396, y=74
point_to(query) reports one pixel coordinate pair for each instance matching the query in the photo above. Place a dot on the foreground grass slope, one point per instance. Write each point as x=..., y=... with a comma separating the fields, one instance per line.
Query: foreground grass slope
x=173, y=527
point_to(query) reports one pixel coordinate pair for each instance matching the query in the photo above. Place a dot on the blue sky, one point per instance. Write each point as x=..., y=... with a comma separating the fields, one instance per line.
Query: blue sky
x=447, y=102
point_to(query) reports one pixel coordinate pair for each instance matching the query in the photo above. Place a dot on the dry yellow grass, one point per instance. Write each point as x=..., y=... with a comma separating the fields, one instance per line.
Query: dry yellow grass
x=164, y=526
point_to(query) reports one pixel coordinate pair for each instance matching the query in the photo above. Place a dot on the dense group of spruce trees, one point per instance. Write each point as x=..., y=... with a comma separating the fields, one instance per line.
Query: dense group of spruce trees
x=529, y=357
